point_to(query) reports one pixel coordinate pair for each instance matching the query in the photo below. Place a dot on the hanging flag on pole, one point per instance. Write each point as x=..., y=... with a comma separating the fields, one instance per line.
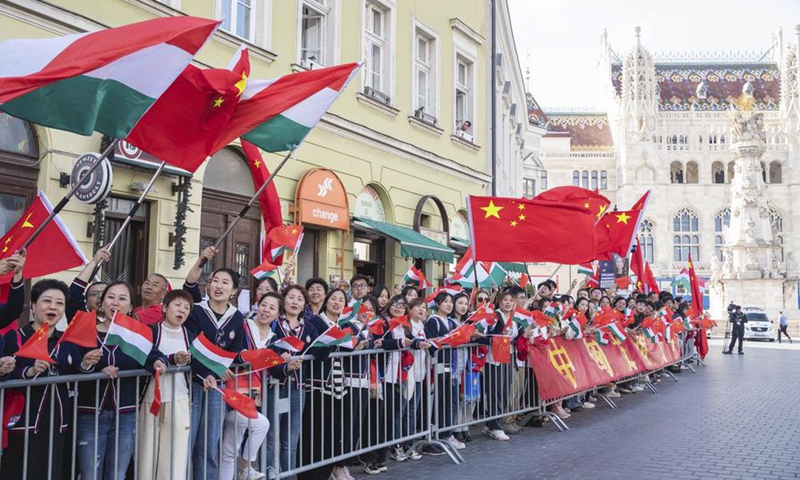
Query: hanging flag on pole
x=264, y=270
x=155, y=407
x=270, y=203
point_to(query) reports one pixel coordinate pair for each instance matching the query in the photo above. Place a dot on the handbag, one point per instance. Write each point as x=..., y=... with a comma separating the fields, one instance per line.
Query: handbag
x=472, y=386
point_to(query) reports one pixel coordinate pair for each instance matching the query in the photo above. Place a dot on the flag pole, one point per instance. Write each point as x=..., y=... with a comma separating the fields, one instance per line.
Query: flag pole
x=250, y=203
x=131, y=213
x=60, y=205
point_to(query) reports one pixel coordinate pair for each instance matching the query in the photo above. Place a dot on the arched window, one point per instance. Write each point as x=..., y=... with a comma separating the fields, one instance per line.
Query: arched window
x=721, y=222
x=686, y=236
x=717, y=173
x=692, y=174
x=775, y=172
x=646, y=240
x=763, y=172
x=594, y=180
x=585, y=179
x=603, y=180
x=576, y=178
x=776, y=222
x=676, y=172
x=543, y=180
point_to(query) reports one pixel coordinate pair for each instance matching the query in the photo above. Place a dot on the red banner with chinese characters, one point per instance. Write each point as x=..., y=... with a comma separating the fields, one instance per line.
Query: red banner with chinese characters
x=564, y=367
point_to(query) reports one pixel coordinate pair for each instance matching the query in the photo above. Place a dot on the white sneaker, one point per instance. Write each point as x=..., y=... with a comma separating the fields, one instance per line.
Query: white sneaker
x=499, y=435
x=592, y=398
x=455, y=443
x=251, y=473
x=638, y=388
x=398, y=455
x=613, y=394
x=588, y=405
x=412, y=454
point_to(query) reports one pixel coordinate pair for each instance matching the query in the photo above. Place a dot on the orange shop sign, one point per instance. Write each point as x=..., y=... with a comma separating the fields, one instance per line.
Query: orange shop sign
x=322, y=200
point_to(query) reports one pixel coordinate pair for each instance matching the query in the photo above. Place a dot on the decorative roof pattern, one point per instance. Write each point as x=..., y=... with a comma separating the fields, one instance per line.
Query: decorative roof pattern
x=585, y=130
x=536, y=115
x=678, y=84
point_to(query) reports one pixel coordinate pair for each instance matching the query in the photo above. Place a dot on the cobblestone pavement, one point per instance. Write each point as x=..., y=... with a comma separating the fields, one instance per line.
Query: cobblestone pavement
x=735, y=419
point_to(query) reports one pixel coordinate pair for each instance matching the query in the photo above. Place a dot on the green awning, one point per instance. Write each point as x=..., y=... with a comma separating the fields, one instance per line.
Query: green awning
x=412, y=243
x=459, y=242
x=510, y=267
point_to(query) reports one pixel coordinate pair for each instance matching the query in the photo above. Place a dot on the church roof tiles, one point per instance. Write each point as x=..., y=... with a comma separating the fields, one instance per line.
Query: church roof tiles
x=584, y=129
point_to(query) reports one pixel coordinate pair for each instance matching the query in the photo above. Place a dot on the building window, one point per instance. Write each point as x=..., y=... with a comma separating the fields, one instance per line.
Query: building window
x=686, y=236
x=776, y=222
x=646, y=240
x=464, y=95
x=692, y=172
x=585, y=179
x=425, y=72
x=376, y=40
x=315, y=40
x=238, y=18
x=721, y=222
x=775, y=172
x=717, y=173
x=594, y=179
x=543, y=181
x=603, y=180
x=528, y=187
x=576, y=178
x=676, y=172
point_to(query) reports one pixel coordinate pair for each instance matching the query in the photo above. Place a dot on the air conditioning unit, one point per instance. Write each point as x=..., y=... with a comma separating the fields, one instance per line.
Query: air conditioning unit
x=425, y=117
x=378, y=96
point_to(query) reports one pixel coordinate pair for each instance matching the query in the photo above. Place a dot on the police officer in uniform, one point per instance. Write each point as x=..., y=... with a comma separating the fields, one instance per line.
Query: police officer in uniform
x=737, y=319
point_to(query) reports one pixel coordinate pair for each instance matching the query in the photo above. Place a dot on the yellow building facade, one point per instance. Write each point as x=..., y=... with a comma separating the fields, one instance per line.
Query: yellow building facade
x=402, y=146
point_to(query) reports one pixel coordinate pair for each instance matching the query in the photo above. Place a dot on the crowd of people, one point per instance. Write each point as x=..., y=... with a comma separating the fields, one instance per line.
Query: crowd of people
x=375, y=399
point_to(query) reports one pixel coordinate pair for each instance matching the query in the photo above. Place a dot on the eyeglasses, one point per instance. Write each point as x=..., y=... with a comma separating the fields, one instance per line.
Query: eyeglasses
x=482, y=299
x=397, y=304
x=360, y=286
x=94, y=294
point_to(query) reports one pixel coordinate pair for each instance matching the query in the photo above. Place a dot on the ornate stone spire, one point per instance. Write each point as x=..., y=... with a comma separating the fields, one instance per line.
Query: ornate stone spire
x=639, y=92
x=790, y=88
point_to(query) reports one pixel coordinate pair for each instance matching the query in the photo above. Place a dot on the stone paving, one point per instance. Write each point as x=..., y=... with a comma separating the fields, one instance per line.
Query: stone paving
x=735, y=419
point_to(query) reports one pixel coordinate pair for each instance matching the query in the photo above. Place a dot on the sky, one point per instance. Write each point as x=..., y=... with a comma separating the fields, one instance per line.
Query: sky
x=559, y=40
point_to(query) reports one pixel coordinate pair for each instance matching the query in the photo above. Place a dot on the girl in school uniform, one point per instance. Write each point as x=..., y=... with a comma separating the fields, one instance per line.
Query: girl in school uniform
x=48, y=301
x=417, y=418
x=169, y=431
x=223, y=324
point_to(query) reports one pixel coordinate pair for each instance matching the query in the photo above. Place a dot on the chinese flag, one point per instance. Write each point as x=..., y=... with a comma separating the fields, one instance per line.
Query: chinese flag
x=262, y=358
x=541, y=319
x=459, y=336
x=155, y=407
x=522, y=230
x=269, y=201
x=615, y=233
x=36, y=346
x=185, y=123
x=282, y=238
x=54, y=250
x=82, y=330
x=241, y=403
x=697, y=295
x=399, y=321
x=501, y=349
x=637, y=267
x=524, y=279
x=589, y=200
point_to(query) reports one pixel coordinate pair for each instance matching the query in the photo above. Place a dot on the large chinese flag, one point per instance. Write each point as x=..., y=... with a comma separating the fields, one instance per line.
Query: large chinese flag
x=615, y=233
x=531, y=230
x=54, y=250
x=590, y=200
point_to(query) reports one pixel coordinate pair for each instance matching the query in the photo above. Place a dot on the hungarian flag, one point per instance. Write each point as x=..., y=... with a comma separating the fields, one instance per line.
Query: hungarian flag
x=483, y=318
x=290, y=344
x=501, y=349
x=269, y=201
x=264, y=270
x=616, y=232
x=552, y=309
x=577, y=322
x=82, y=330
x=617, y=330
x=133, y=337
x=53, y=251
x=590, y=200
x=155, y=407
x=459, y=336
x=261, y=358
x=523, y=318
x=283, y=238
x=600, y=337
x=334, y=336
x=35, y=347
x=241, y=403
x=469, y=272
x=101, y=81
x=414, y=274
x=351, y=313
x=522, y=230
x=585, y=269
x=211, y=356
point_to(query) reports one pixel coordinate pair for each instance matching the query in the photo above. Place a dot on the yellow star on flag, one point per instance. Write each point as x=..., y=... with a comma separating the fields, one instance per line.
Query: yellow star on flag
x=26, y=223
x=218, y=102
x=492, y=210
x=241, y=84
x=586, y=205
x=257, y=163
x=522, y=217
x=602, y=210
x=521, y=206
x=623, y=218
x=513, y=223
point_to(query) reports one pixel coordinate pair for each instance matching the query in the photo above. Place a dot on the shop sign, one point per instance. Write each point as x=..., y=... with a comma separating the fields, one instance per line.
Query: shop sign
x=322, y=200
x=369, y=205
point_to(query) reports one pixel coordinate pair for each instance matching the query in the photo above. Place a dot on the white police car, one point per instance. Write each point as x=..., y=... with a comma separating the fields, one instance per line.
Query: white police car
x=758, y=326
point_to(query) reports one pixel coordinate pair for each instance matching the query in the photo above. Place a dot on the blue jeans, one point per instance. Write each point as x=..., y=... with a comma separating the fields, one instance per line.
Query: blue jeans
x=205, y=432
x=102, y=466
x=286, y=426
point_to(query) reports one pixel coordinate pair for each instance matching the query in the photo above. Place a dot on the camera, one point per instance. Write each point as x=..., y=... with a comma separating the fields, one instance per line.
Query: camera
x=731, y=307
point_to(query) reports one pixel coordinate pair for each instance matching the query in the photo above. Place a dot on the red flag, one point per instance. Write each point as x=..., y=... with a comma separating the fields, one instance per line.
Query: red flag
x=501, y=349
x=524, y=279
x=155, y=407
x=590, y=200
x=697, y=296
x=642, y=203
x=36, y=347
x=54, y=250
x=399, y=321
x=269, y=201
x=622, y=282
x=241, y=403
x=284, y=237
x=82, y=330
x=615, y=233
x=459, y=336
x=637, y=267
x=541, y=319
x=261, y=358
x=520, y=230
